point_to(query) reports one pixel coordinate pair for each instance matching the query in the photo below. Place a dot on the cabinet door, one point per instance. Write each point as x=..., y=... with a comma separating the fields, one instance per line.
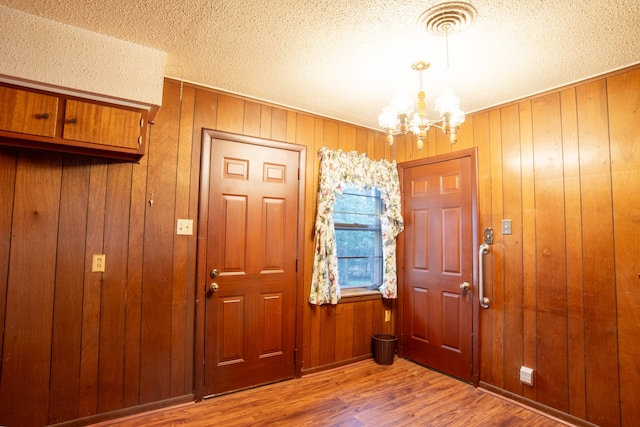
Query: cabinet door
x=102, y=125
x=27, y=112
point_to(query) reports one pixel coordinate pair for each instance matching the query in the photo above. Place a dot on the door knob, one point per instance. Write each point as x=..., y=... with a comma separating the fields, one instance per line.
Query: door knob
x=214, y=273
x=465, y=286
x=213, y=287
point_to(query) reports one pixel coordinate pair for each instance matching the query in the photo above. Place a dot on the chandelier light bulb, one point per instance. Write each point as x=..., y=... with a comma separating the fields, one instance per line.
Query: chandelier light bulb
x=447, y=103
x=403, y=105
x=388, y=119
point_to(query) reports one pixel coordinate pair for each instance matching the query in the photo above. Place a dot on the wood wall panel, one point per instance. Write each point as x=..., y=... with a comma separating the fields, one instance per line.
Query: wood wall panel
x=495, y=288
x=181, y=309
x=88, y=402
x=133, y=311
x=8, y=160
x=306, y=131
x=113, y=294
x=292, y=122
x=347, y=137
x=265, y=121
x=67, y=311
x=529, y=262
x=160, y=222
x=230, y=114
x=550, y=253
x=481, y=140
x=30, y=289
x=624, y=127
x=573, y=243
x=512, y=205
x=252, y=118
x=278, y=124
x=600, y=316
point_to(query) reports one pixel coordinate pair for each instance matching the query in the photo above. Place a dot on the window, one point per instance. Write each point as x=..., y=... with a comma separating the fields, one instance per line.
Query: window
x=358, y=237
x=379, y=224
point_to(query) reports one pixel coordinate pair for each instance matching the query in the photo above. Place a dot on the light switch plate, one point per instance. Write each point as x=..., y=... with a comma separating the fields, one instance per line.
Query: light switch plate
x=506, y=226
x=185, y=227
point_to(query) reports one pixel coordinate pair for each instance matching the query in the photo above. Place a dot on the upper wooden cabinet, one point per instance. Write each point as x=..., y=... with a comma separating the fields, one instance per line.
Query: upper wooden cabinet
x=27, y=112
x=37, y=119
x=102, y=125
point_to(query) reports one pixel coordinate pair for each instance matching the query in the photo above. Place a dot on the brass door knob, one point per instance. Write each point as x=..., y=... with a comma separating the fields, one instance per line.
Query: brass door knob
x=213, y=287
x=465, y=286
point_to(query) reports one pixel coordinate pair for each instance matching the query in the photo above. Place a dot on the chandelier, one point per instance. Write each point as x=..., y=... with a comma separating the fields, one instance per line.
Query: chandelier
x=401, y=116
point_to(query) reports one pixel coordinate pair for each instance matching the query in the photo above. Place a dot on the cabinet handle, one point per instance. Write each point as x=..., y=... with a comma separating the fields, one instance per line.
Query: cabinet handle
x=43, y=116
x=72, y=121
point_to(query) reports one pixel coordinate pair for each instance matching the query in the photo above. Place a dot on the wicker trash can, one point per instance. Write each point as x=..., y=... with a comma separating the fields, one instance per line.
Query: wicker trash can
x=384, y=346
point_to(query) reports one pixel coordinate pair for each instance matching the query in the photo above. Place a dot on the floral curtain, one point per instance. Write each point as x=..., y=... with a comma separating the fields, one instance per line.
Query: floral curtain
x=338, y=168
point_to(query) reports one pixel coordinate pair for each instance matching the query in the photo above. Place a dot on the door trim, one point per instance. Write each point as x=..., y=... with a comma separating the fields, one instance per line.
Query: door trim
x=208, y=135
x=472, y=154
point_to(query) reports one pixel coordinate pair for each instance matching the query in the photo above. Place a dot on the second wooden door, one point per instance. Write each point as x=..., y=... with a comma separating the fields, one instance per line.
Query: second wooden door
x=438, y=266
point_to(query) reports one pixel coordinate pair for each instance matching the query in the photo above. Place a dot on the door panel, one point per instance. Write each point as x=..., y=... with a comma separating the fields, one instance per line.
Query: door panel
x=438, y=258
x=251, y=242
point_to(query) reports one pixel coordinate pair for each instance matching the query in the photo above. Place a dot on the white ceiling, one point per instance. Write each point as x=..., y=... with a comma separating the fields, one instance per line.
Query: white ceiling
x=347, y=59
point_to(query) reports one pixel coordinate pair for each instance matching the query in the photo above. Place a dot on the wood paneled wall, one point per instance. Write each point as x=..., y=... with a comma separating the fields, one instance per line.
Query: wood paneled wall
x=78, y=344
x=564, y=167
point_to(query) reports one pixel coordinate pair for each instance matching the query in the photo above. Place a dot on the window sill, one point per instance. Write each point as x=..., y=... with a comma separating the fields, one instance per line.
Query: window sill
x=359, y=294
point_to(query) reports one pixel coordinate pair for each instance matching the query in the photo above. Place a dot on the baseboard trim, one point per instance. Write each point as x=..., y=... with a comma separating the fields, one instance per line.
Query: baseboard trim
x=334, y=365
x=107, y=418
x=547, y=411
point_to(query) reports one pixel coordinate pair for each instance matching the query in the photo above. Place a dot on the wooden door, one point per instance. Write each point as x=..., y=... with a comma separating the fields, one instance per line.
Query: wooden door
x=251, y=242
x=438, y=248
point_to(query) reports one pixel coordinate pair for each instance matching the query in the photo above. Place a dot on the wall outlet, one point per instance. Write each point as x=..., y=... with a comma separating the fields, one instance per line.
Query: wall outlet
x=185, y=227
x=526, y=375
x=98, y=264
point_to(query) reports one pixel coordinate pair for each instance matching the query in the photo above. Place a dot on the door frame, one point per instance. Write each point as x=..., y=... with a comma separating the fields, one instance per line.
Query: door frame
x=208, y=135
x=472, y=154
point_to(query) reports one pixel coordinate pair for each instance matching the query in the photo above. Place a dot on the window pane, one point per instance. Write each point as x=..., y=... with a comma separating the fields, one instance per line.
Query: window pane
x=356, y=207
x=359, y=260
x=356, y=242
x=356, y=272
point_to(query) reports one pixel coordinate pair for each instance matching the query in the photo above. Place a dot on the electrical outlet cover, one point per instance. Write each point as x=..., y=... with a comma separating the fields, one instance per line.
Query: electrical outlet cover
x=526, y=375
x=185, y=227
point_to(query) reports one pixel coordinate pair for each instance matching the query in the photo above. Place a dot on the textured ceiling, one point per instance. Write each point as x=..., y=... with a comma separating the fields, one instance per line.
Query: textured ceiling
x=348, y=58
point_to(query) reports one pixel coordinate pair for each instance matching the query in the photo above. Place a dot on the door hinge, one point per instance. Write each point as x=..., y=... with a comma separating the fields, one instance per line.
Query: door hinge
x=296, y=265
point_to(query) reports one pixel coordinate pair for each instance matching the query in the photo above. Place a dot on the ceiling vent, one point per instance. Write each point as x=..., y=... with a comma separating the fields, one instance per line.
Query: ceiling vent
x=447, y=17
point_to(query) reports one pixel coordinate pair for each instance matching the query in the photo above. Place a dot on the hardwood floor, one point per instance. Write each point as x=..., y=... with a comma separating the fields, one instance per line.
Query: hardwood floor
x=361, y=394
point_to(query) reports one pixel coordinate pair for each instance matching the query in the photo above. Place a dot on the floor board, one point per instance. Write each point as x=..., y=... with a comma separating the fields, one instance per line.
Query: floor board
x=361, y=394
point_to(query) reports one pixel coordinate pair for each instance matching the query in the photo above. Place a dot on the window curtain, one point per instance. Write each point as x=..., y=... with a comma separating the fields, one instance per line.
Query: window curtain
x=336, y=169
